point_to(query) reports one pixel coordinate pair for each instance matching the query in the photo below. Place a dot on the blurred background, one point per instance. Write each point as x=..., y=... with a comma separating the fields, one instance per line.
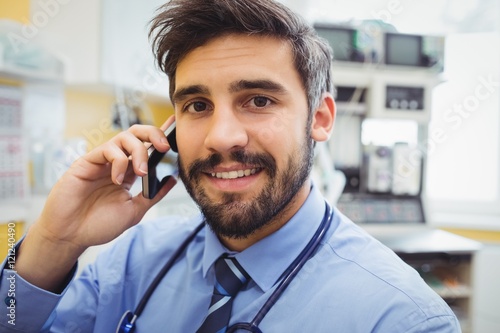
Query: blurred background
x=414, y=158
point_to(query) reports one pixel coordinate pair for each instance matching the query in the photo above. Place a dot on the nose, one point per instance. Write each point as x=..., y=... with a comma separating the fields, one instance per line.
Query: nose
x=226, y=132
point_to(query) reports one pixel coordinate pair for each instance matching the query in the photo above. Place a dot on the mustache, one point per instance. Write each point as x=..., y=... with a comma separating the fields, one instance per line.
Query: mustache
x=258, y=160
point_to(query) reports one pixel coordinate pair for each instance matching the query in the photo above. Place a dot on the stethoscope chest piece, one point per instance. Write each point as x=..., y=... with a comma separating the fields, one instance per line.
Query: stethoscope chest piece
x=127, y=323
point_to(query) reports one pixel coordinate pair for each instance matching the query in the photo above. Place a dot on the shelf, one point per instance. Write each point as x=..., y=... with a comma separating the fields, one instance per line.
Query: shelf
x=21, y=74
x=443, y=260
x=461, y=291
x=427, y=241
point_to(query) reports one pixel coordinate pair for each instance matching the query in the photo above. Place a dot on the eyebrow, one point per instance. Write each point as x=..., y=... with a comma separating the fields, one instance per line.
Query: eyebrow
x=190, y=90
x=234, y=87
x=267, y=85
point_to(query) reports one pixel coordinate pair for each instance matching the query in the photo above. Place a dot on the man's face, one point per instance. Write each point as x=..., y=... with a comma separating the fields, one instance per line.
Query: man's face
x=245, y=151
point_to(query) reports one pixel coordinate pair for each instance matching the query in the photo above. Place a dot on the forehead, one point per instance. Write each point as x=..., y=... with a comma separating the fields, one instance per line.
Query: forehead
x=236, y=42
x=236, y=55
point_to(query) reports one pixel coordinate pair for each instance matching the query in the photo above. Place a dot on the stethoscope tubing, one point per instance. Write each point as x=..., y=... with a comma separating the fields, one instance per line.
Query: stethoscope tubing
x=289, y=275
x=129, y=318
x=165, y=269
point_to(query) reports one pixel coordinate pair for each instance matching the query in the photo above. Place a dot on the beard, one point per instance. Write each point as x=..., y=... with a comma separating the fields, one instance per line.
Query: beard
x=234, y=217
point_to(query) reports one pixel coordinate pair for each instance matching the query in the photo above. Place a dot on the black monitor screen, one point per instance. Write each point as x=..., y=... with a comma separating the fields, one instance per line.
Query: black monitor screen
x=340, y=39
x=403, y=49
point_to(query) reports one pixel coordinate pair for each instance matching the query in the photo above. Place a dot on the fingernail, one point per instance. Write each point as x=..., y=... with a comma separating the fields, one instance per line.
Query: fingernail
x=164, y=141
x=144, y=168
x=119, y=178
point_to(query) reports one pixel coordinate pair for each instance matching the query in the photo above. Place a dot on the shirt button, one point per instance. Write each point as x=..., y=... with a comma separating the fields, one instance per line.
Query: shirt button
x=9, y=300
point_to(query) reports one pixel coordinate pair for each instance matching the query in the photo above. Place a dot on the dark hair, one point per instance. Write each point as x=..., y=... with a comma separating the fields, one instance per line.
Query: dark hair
x=182, y=25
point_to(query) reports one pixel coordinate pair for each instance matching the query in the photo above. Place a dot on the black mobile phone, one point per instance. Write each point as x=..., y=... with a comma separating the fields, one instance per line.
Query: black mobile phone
x=158, y=174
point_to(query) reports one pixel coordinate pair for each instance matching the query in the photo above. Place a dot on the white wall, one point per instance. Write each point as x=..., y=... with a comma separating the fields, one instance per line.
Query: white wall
x=424, y=16
x=486, y=310
x=71, y=31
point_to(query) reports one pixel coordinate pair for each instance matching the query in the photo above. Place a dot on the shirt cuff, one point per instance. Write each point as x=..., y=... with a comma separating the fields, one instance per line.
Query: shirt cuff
x=25, y=307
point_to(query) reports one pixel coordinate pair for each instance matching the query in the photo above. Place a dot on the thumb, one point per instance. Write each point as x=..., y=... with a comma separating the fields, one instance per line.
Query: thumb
x=144, y=204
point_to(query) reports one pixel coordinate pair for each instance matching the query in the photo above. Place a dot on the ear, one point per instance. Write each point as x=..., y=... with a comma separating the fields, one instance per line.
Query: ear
x=323, y=118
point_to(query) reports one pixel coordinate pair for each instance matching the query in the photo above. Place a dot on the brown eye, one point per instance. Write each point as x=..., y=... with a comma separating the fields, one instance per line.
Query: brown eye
x=260, y=101
x=199, y=106
x=196, y=107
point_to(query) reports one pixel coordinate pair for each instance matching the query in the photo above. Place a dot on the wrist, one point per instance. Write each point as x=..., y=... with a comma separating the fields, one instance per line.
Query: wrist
x=46, y=263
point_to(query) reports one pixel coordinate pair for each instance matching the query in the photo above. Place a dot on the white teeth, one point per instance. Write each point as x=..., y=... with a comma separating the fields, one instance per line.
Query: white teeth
x=234, y=174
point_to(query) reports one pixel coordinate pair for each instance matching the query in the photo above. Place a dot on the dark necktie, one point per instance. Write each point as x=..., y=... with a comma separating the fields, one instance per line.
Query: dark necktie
x=230, y=278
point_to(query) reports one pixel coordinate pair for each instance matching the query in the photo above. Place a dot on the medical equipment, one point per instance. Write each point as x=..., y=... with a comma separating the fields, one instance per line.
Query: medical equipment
x=129, y=318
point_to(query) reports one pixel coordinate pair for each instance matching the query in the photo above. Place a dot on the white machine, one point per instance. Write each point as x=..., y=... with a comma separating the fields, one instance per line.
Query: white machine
x=384, y=83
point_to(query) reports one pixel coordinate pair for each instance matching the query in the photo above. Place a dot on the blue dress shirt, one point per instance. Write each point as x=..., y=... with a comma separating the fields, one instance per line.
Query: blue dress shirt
x=352, y=284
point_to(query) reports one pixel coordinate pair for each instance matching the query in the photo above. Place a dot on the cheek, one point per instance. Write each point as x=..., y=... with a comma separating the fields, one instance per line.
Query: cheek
x=279, y=131
x=190, y=138
x=281, y=145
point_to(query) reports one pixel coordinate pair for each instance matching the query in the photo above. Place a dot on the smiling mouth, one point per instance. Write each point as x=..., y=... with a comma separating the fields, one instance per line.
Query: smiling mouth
x=234, y=174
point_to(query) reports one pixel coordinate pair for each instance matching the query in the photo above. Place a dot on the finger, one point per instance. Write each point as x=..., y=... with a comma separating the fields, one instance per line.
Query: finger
x=134, y=148
x=145, y=204
x=170, y=120
x=130, y=178
x=108, y=153
x=130, y=143
x=152, y=134
x=117, y=152
x=165, y=188
x=119, y=166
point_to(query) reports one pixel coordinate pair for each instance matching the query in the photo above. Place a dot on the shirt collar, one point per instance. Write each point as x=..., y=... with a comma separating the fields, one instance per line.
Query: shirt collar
x=267, y=259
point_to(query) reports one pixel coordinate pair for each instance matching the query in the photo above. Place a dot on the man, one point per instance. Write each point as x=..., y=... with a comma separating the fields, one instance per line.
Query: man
x=252, y=91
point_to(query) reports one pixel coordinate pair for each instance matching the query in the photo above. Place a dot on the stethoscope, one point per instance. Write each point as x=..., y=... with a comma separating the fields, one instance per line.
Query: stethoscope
x=127, y=322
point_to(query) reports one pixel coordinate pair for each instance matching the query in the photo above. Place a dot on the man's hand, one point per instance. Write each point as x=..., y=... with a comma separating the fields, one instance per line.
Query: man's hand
x=90, y=205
